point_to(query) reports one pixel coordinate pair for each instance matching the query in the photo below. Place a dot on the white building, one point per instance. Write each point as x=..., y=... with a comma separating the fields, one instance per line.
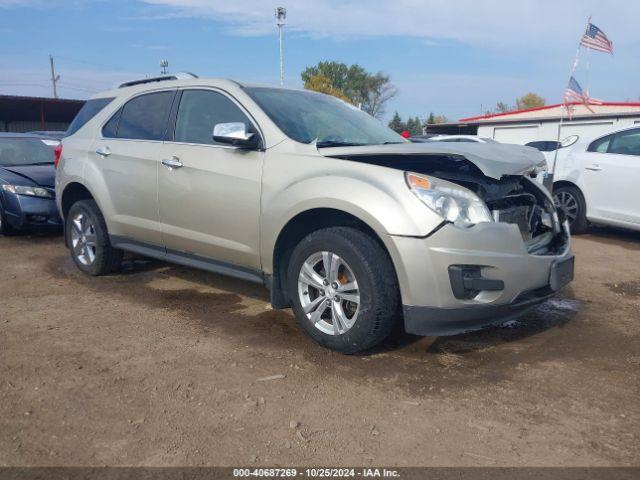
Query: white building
x=541, y=123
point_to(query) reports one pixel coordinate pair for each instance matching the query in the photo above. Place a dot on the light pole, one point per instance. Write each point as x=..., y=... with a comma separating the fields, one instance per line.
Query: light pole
x=281, y=16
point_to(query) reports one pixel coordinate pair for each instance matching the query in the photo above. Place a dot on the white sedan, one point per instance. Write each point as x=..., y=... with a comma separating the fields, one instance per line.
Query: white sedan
x=597, y=180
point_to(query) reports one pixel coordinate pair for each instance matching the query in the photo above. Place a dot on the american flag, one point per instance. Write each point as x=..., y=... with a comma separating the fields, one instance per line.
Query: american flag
x=574, y=93
x=595, y=39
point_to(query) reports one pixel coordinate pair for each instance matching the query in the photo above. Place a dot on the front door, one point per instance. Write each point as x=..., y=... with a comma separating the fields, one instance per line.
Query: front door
x=209, y=193
x=611, y=175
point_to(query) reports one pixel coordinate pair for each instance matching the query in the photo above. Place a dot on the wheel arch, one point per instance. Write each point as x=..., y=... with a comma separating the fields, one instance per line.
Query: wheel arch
x=72, y=193
x=566, y=183
x=296, y=229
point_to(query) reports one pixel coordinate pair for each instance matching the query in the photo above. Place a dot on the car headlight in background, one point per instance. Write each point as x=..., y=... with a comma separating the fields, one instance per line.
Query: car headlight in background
x=28, y=191
x=452, y=202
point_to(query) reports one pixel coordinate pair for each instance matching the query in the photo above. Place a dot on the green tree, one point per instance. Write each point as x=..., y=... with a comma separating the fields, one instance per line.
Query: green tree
x=320, y=83
x=440, y=119
x=529, y=100
x=396, y=124
x=366, y=90
x=414, y=125
x=431, y=119
x=502, y=107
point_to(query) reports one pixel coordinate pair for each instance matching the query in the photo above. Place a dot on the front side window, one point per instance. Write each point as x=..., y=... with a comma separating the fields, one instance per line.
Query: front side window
x=145, y=117
x=626, y=143
x=200, y=111
x=601, y=145
x=307, y=116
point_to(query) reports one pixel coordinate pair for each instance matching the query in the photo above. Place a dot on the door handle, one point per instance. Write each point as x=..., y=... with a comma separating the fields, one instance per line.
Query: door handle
x=594, y=168
x=173, y=162
x=103, y=151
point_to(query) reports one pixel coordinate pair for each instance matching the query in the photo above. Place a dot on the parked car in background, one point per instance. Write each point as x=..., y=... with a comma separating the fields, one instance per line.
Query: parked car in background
x=461, y=139
x=420, y=138
x=340, y=217
x=27, y=181
x=55, y=134
x=545, y=145
x=596, y=180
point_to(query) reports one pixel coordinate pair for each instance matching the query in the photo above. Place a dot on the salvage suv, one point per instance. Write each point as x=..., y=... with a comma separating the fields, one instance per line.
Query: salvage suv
x=343, y=220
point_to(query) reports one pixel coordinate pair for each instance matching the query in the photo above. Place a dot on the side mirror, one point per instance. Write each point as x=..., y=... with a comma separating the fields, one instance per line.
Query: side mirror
x=570, y=140
x=235, y=133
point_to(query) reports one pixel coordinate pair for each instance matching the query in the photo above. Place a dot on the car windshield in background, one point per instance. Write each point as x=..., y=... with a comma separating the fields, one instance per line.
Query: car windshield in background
x=24, y=151
x=306, y=116
x=544, y=145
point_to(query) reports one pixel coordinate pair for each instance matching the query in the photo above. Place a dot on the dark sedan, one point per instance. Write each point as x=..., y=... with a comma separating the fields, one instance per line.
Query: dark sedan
x=27, y=183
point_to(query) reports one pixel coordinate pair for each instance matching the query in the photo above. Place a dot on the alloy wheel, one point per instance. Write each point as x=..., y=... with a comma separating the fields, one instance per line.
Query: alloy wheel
x=329, y=293
x=568, y=203
x=83, y=239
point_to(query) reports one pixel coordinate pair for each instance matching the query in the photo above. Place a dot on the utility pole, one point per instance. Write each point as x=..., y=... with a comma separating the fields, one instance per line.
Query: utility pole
x=164, y=64
x=54, y=77
x=281, y=16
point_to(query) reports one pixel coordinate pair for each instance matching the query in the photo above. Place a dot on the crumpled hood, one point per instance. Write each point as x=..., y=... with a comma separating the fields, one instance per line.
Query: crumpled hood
x=39, y=175
x=493, y=159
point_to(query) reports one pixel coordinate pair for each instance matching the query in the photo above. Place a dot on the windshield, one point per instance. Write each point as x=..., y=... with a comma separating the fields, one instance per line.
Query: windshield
x=24, y=151
x=306, y=116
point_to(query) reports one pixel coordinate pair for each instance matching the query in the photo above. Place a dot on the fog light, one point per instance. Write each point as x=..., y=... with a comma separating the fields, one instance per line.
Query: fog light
x=467, y=282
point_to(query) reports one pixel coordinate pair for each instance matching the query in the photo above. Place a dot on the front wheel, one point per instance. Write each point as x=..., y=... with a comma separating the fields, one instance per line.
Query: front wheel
x=343, y=289
x=571, y=200
x=88, y=239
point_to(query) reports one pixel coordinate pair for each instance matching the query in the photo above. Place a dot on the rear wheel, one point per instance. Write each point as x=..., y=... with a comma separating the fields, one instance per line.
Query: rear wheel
x=343, y=289
x=571, y=200
x=88, y=240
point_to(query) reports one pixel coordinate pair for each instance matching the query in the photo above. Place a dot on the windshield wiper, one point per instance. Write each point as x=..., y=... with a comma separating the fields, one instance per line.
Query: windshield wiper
x=31, y=164
x=332, y=143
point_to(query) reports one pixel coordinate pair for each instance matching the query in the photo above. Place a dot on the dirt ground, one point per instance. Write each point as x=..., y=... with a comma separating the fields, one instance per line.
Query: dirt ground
x=168, y=366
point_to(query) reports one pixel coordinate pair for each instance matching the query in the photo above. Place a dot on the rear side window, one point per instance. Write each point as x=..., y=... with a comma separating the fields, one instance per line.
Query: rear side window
x=601, y=145
x=110, y=128
x=200, y=111
x=89, y=110
x=145, y=117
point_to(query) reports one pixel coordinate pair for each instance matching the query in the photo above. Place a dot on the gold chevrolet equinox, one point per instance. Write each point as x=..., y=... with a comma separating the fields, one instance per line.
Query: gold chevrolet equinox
x=343, y=220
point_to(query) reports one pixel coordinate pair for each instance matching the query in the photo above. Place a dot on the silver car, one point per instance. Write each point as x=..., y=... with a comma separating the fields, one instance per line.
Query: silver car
x=343, y=220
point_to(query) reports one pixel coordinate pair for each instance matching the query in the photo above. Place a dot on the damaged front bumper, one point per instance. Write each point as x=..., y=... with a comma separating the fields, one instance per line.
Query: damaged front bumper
x=457, y=280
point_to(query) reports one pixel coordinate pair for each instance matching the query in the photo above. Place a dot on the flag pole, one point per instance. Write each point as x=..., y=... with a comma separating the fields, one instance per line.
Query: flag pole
x=574, y=65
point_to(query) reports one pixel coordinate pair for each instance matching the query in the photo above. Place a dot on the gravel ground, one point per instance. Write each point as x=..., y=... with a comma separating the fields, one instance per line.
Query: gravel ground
x=168, y=366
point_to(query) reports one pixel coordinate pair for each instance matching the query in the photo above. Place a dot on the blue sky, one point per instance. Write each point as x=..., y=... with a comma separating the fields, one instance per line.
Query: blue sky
x=446, y=57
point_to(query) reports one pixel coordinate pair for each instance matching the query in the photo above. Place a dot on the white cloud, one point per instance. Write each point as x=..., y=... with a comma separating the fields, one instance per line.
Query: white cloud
x=492, y=23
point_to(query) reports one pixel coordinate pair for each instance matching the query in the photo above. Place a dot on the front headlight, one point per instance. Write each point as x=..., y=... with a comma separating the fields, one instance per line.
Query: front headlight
x=29, y=191
x=452, y=202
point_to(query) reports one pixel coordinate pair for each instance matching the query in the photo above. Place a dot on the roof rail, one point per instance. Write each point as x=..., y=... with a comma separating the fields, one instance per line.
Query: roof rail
x=161, y=78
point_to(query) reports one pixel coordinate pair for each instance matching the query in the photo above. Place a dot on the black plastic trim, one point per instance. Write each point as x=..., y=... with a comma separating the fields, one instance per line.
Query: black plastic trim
x=186, y=259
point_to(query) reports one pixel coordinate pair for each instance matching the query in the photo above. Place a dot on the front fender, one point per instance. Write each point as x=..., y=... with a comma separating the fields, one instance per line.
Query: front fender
x=378, y=196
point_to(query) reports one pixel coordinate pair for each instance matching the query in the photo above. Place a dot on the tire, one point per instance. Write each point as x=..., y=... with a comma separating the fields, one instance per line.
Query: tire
x=571, y=199
x=360, y=325
x=88, y=240
x=5, y=228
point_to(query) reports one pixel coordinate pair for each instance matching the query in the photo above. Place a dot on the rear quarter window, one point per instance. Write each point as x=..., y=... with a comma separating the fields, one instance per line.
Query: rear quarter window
x=89, y=110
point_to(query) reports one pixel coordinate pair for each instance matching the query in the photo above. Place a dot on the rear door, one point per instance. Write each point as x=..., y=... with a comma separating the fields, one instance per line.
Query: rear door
x=210, y=204
x=128, y=153
x=611, y=175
